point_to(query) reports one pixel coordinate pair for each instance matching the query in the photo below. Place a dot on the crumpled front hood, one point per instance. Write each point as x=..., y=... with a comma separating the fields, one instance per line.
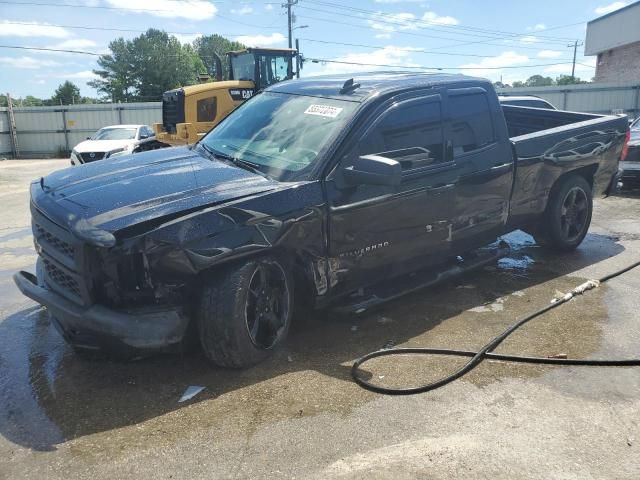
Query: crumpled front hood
x=133, y=189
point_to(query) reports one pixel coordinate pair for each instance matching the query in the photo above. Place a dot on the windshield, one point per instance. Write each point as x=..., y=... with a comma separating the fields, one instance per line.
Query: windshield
x=280, y=134
x=243, y=66
x=115, y=134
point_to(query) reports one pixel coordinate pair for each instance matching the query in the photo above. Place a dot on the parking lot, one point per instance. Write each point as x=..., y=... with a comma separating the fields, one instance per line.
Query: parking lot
x=299, y=415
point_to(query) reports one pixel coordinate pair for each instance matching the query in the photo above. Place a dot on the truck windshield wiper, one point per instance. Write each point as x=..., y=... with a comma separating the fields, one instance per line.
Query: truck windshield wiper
x=252, y=167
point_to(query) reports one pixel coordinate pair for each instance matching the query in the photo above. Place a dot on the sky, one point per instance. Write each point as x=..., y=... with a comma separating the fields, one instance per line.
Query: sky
x=489, y=38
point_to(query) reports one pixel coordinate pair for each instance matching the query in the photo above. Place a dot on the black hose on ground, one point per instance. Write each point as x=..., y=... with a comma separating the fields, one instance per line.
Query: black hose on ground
x=487, y=350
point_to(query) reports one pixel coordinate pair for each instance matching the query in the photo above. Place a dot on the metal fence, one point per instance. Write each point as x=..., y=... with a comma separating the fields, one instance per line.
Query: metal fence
x=53, y=131
x=50, y=131
x=591, y=98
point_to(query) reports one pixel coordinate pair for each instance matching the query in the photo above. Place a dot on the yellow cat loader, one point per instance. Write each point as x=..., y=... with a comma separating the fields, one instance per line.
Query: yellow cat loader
x=190, y=112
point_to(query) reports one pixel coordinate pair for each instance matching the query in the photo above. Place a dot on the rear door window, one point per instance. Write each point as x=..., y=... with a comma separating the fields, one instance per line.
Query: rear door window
x=471, y=122
x=410, y=133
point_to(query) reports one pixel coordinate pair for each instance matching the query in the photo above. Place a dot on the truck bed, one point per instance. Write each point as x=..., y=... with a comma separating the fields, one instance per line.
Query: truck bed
x=560, y=141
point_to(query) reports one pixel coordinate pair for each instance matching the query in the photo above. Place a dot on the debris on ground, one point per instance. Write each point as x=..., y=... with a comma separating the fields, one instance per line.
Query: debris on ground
x=190, y=392
x=384, y=320
x=354, y=328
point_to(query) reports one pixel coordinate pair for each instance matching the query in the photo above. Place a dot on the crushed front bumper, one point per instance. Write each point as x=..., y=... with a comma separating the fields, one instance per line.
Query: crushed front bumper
x=98, y=327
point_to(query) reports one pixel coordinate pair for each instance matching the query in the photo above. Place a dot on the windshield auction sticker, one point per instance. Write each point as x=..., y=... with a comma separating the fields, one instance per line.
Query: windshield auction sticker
x=323, y=111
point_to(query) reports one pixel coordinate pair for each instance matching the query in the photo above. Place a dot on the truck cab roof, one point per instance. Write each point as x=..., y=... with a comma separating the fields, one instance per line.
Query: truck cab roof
x=369, y=84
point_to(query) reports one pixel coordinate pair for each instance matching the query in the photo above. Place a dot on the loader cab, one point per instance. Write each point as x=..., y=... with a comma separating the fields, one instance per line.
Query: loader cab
x=262, y=66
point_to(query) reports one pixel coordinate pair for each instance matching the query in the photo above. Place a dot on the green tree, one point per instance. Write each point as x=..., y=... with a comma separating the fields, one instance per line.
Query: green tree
x=31, y=101
x=116, y=72
x=569, y=80
x=518, y=84
x=538, y=81
x=67, y=93
x=3, y=100
x=208, y=46
x=143, y=68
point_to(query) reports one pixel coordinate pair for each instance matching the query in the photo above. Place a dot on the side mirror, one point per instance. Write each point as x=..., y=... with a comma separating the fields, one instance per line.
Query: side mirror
x=88, y=138
x=373, y=170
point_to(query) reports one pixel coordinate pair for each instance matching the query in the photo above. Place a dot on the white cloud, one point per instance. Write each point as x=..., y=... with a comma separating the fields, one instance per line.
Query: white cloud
x=383, y=35
x=83, y=75
x=433, y=17
x=549, y=54
x=537, y=27
x=244, y=10
x=612, y=7
x=268, y=7
x=29, y=63
x=392, y=22
x=529, y=39
x=74, y=43
x=32, y=29
x=261, y=40
x=186, y=37
x=488, y=66
x=191, y=9
x=399, y=1
x=396, y=58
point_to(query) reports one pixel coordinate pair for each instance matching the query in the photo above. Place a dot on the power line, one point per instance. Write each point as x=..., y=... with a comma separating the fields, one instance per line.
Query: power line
x=139, y=10
x=85, y=27
x=414, y=34
x=417, y=67
x=415, y=24
x=378, y=14
x=51, y=50
x=405, y=49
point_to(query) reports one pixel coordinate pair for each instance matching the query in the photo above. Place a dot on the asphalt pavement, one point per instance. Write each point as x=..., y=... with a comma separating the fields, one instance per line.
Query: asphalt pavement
x=299, y=415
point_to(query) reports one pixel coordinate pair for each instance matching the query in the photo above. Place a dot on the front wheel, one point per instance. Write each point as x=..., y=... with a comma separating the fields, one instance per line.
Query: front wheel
x=244, y=312
x=568, y=215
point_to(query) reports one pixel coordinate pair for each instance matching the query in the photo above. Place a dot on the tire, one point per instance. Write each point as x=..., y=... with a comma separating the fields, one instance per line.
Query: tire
x=567, y=217
x=244, y=312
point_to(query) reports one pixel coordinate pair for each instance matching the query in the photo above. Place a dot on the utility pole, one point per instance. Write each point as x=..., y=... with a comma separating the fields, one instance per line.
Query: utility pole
x=575, y=46
x=290, y=19
x=12, y=127
x=298, y=63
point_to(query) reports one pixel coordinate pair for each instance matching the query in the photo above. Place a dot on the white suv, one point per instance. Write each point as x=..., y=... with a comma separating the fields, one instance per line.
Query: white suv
x=112, y=141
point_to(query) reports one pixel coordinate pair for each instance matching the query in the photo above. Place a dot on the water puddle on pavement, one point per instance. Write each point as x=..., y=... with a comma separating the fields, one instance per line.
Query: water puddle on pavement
x=55, y=397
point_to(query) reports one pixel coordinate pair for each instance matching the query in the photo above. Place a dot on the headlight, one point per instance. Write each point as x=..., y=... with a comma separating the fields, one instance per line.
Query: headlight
x=116, y=152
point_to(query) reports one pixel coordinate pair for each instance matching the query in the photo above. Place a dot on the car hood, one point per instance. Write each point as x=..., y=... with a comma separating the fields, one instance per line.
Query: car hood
x=102, y=145
x=147, y=187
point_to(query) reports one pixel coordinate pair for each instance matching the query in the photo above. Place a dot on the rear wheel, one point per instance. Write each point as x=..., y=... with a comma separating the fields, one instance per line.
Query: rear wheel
x=568, y=215
x=245, y=312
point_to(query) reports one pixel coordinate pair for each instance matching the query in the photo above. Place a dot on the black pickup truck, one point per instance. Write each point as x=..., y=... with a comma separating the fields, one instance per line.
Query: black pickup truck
x=317, y=189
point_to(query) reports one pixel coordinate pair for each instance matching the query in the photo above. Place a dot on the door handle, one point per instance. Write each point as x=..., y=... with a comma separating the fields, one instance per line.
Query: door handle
x=501, y=166
x=441, y=188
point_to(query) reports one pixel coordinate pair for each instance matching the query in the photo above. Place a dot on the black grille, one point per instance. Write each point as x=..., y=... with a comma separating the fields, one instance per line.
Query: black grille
x=92, y=156
x=51, y=240
x=172, y=109
x=61, y=279
x=63, y=257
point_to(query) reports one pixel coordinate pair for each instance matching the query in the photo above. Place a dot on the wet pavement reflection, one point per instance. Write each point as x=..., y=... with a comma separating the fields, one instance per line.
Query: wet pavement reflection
x=50, y=395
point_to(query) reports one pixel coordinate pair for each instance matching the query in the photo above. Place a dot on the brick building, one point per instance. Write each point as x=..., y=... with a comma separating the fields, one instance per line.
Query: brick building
x=615, y=39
